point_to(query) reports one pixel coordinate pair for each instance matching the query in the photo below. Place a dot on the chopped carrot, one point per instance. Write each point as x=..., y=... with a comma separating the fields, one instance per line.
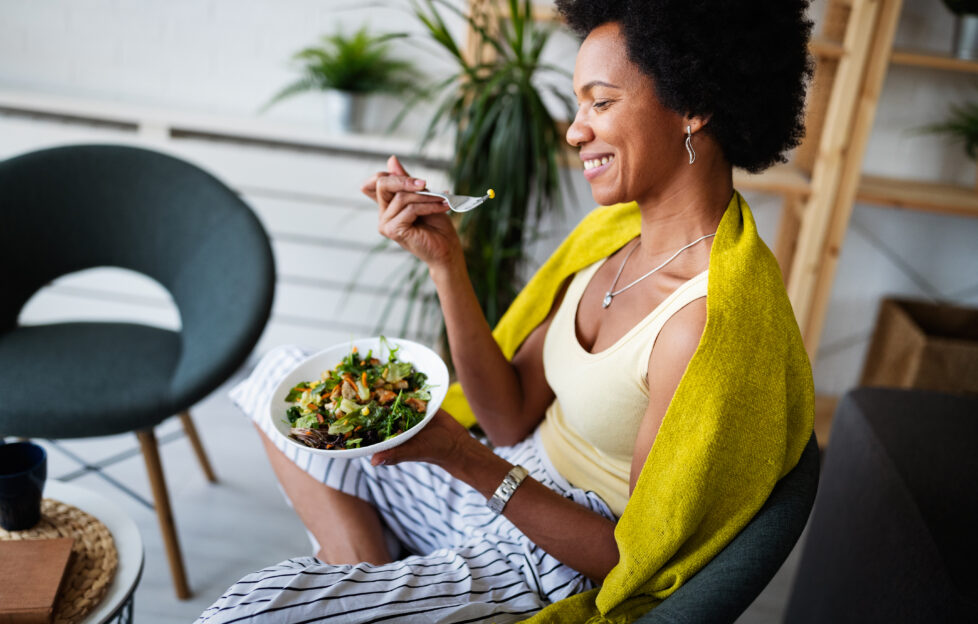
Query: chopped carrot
x=363, y=378
x=348, y=377
x=320, y=418
x=354, y=349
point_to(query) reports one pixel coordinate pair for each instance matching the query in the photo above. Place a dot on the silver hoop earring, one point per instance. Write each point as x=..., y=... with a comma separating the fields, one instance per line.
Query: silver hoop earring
x=689, y=145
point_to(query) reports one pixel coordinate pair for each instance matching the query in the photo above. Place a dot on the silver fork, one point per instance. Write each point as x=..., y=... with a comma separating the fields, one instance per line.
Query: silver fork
x=461, y=203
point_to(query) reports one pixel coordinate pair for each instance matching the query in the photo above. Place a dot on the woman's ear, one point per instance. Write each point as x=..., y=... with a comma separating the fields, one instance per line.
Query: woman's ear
x=695, y=122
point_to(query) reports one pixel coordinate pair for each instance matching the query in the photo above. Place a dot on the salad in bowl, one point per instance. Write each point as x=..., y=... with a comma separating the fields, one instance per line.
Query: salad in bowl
x=359, y=397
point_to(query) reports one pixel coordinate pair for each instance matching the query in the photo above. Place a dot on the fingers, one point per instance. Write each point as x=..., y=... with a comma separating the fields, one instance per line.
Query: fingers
x=394, y=167
x=406, y=209
x=369, y=187
x=388, y=184
x=383, y=458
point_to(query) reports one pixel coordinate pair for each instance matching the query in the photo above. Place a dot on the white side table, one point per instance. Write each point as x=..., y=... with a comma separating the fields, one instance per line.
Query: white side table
x=117, y=603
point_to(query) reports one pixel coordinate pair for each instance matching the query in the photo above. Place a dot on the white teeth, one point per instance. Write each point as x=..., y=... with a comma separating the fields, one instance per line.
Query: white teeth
x=598, y=162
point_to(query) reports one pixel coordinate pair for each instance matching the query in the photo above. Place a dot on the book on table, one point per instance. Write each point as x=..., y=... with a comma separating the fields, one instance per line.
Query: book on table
x=31, y=571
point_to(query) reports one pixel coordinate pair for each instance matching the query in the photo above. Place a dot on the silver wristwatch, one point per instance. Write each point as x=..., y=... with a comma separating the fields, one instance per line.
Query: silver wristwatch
x=505, y=490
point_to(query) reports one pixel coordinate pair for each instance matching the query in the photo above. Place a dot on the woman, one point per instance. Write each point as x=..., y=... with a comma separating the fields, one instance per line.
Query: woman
x=582, y=371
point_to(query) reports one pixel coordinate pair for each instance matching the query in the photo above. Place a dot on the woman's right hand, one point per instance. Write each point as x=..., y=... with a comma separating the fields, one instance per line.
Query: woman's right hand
x=418, y=223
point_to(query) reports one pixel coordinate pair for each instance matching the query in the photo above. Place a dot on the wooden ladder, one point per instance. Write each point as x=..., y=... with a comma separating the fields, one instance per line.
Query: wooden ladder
x=853, y=54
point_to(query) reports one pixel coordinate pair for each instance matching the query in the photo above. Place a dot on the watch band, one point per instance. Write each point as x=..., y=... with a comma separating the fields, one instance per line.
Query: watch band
x=505, y=490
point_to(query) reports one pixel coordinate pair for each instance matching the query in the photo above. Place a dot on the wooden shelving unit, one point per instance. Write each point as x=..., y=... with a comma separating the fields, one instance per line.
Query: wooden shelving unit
x=853, y=53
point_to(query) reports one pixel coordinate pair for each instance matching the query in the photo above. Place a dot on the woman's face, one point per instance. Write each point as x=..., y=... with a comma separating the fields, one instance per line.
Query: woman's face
x=630, y=144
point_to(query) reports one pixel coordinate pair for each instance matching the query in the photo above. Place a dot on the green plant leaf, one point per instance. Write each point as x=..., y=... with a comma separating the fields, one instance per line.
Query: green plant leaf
x=504, y=137
x=961, y=126
x=357, y=63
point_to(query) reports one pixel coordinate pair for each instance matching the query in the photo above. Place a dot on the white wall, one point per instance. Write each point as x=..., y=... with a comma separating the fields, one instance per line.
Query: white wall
x=225, y=58
x=220, y=56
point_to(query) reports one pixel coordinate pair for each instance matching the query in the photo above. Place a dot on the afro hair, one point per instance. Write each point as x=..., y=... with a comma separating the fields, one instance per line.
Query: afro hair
x=744, y=63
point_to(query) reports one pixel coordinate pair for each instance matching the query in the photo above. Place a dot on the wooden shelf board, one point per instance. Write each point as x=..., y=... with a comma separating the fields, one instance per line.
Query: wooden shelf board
x=824, y=48
x=827, y=49
x=929, y=196
x=781, y=179
x=900, y=193
x=932, y=60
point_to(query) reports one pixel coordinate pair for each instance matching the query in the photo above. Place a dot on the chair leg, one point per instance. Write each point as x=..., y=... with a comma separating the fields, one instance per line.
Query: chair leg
x=151, y=454
x=191, y=430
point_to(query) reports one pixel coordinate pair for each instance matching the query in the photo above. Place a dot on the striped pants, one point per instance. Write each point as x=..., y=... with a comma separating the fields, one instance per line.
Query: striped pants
x=466, y=564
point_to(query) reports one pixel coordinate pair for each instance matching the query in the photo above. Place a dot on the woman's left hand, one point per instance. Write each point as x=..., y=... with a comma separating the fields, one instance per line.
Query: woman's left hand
x=442, y=441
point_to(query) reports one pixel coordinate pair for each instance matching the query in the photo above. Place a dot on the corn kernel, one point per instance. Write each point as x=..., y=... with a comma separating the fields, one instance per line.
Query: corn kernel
x=365, y=411
x=491, y=193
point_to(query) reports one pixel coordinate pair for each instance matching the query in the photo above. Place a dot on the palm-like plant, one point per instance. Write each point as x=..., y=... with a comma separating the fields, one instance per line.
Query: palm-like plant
x=962, y=125
x=359, y=63
x=504, y=137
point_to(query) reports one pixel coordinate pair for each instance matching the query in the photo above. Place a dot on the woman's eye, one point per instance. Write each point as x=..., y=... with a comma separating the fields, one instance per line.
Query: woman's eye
x=601, y=104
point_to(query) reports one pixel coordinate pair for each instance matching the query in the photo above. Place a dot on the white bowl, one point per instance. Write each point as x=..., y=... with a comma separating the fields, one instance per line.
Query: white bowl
x=423, y=359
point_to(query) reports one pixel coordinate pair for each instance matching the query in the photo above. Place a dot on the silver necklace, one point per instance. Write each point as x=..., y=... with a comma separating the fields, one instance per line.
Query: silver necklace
x=612, y=293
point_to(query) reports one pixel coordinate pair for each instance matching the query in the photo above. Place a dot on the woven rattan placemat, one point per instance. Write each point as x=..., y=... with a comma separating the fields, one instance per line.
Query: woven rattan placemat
x=93, y=562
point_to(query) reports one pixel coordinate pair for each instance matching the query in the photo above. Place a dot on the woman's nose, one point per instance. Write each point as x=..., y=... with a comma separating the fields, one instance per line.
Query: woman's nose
x=579, y=132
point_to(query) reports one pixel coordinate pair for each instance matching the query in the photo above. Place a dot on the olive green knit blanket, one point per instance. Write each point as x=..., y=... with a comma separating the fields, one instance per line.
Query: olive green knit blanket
x=737, y=423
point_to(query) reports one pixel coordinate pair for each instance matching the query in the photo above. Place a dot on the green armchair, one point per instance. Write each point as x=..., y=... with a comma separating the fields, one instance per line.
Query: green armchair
x=71, y=208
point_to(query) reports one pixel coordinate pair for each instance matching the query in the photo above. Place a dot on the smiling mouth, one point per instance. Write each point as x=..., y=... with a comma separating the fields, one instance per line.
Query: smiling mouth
x=594, y=163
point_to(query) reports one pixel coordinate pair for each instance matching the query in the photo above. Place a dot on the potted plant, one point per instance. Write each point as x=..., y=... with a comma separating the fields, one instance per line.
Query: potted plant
x=961, y=125
x=504, y=137
x=965, y=43
x=346, y=69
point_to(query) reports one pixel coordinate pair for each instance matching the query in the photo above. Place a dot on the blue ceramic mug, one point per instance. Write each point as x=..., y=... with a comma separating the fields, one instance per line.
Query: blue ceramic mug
x=23, y=469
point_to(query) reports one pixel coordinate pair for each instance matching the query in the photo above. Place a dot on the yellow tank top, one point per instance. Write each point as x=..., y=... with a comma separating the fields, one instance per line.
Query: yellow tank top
x=589, y=430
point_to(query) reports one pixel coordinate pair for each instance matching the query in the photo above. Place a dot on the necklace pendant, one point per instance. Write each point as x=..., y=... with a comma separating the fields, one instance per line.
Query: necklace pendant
x=607, y=300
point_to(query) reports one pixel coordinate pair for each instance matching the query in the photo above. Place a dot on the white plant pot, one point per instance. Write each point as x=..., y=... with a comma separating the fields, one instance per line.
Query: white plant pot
x=344, y=112
x=966, y=37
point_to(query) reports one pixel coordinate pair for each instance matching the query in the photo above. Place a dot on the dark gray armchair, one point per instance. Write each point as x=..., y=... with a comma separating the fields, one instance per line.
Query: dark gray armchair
x=892, y=537
x=77, y=207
